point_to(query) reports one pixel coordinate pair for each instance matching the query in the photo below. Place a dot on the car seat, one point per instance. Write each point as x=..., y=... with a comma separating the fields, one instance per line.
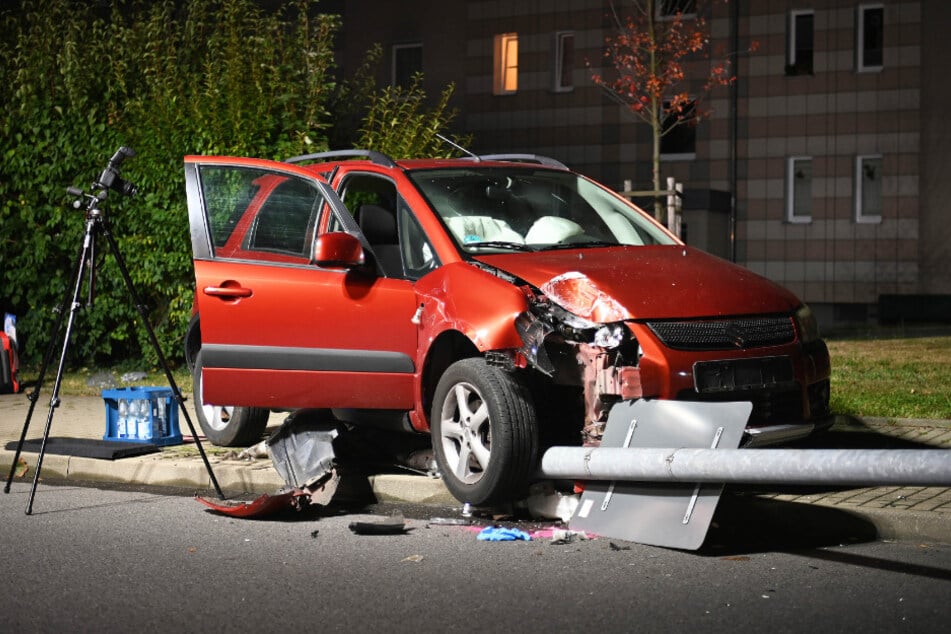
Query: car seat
x=379, y=227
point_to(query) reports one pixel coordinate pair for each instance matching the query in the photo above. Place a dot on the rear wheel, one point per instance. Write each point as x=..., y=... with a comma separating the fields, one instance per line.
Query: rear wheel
x=485, y=433
x=226, y=425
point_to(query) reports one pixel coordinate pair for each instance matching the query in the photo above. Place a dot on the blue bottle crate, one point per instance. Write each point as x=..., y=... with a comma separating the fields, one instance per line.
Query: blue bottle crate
x=142, y=414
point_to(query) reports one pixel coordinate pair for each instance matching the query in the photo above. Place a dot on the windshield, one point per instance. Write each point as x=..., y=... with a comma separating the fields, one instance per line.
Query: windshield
x=504, y=209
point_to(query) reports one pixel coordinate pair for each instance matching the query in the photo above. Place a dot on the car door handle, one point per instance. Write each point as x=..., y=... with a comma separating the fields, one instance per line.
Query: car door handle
x=227, y=292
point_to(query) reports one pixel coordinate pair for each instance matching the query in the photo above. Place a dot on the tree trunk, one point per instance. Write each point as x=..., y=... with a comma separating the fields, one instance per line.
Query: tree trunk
x=657, y=108
x=655, y=165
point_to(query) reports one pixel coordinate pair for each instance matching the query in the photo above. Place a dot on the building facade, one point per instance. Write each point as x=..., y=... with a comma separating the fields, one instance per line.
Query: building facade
x=821, y=168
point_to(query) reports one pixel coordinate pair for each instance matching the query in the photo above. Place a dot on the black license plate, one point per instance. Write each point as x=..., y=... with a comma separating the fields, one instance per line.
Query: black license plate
x=742, y=374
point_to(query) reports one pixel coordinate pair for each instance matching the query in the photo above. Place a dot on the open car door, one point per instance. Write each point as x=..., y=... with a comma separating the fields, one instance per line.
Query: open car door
x=278, y=329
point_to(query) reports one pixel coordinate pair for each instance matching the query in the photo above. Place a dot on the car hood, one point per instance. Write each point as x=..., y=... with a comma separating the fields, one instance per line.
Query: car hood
x=647, y=282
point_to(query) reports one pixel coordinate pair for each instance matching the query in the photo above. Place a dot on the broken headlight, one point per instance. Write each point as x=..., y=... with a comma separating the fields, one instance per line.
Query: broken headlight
x=609, y=336
x=579, y=330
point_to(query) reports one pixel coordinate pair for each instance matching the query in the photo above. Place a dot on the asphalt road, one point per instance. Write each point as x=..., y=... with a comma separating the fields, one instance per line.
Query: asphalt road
x=90, y=559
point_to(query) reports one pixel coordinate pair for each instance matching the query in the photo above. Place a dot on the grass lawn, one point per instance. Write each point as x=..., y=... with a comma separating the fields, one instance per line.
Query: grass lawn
x=884, y=377
x=892, y=378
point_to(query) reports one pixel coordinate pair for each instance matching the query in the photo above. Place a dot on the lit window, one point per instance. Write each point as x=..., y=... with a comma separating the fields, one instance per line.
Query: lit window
x=564, y=61
x=870, y=37
x=799, y=189
x=800, y=45
x=868, y=188
x=505, y=75
x=407, y=61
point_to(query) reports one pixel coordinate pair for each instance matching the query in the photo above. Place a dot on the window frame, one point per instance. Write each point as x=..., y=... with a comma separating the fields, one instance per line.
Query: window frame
x=503, y=69
x=559, y=62
x=663, y=10
x=678, y=156
x=861, y=216
x=860, y=41
x=792, y=31
x=791, y=215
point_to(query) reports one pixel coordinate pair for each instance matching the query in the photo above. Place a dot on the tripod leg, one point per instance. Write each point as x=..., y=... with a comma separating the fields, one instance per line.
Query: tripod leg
x=47, y=359
x=161, y=357
x=88, y=241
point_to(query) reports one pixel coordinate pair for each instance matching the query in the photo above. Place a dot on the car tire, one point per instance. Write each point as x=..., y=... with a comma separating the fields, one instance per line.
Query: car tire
x=485, y=433
x=226, y=425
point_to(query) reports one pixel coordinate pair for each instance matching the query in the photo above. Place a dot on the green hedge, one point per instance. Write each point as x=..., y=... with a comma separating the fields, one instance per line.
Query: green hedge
x=167, y=79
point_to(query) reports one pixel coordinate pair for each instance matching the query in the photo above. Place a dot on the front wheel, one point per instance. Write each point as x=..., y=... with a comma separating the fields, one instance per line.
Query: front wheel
x=226, y=425
x=485, y=433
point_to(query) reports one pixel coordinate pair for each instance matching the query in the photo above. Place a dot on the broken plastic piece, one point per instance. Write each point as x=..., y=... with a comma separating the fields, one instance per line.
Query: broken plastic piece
x=302, y=449
x=259, y=507
x=502, y=534
x=449, y=521
x=392, y=525
x=545, y=502
x=560, y=537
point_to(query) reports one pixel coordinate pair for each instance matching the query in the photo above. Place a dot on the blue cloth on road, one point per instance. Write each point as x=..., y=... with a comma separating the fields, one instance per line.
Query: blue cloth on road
x=501, y=534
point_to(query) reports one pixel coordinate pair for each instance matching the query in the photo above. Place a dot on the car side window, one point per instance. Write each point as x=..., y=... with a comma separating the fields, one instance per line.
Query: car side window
x=258, y=214
x=282, y=224
x=418, y=254
x=386, y=221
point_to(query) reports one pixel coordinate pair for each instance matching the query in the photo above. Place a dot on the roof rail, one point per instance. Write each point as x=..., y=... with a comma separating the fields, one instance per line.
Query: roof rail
x=528, y=158
x=376, y=157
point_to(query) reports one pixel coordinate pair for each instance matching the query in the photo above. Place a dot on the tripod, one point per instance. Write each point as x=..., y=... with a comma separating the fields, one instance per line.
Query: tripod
x=96, y=224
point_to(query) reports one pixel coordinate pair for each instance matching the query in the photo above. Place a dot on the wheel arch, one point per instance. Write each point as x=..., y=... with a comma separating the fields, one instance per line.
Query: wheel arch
x=448, y=347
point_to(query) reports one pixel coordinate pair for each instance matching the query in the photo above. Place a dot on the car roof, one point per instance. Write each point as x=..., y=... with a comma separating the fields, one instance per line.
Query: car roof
x=357, y=157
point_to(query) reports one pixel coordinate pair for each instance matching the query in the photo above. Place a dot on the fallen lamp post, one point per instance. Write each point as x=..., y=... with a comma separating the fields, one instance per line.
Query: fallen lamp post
x=662, y=465
x=859, y=467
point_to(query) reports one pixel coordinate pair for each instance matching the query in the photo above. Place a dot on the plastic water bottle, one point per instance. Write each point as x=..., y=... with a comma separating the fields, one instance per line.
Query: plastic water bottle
x=158, y=431
x=122, y=421
x=144, y=425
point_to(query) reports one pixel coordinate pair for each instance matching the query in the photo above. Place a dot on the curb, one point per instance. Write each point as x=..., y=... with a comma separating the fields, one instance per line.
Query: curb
x=234, y=478
x=258, y=478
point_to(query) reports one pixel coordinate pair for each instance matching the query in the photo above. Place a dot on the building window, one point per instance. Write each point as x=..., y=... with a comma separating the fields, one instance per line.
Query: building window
x=407, y=61
x=670, y=8
x=505, y=61
x=563, y=50
x=679, y=130
x=799, y=189
x=870, y=38
x=868, y=188
x=799, y=49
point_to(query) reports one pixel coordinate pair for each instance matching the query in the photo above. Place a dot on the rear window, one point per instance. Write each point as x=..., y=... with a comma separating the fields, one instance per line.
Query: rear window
x=254, y=211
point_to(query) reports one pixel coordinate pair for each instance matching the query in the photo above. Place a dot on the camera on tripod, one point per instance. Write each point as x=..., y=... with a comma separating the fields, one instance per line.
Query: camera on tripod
x=110, y=179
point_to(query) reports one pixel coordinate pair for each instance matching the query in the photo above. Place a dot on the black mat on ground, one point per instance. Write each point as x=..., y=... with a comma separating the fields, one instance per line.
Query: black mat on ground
x=87, y=447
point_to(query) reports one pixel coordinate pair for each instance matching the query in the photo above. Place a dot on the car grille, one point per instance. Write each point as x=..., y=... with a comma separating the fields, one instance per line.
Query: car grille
x=725, y=334
x=770, y=407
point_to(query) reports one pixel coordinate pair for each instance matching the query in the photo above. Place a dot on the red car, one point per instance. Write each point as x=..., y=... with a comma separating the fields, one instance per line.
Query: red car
x=502, y=304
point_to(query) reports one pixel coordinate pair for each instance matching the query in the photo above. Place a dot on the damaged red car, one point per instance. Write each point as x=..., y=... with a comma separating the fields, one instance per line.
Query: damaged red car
x=501, y=304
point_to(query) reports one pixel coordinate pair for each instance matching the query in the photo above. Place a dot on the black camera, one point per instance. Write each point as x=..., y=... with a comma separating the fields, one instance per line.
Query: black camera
x=110, y=179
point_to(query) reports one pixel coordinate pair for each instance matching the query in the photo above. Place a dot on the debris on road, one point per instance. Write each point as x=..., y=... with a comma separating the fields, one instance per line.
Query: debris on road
x=544, y=502
x=502, y=534
x=561, y=537
x=392, y=525
x=259, y=507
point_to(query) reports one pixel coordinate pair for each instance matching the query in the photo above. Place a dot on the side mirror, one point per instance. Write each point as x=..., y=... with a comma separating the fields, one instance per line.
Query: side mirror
x=338, y=250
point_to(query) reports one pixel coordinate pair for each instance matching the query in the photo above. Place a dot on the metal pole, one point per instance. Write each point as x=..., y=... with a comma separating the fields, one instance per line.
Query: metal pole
x=860, y=467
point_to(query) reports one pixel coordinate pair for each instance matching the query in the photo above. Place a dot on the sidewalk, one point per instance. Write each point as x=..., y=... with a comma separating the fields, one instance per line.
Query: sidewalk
x=902, y=513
